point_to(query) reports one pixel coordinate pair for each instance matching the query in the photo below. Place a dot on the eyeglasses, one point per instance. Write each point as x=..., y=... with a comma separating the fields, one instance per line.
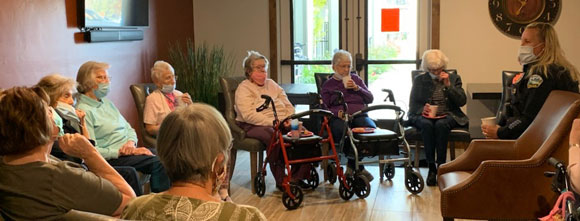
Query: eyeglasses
x=169, y=77
x=259, y=68
x=435, y=70
x=104, y=77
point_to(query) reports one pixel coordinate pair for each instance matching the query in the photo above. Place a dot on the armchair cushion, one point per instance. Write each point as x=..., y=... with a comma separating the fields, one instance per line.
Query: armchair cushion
x=140, y=93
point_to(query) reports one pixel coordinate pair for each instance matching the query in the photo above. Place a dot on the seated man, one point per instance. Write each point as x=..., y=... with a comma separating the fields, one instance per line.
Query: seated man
x=443, y=90
x=356, y=96
x=258, y=125
x=37, y=186
x=115, y=139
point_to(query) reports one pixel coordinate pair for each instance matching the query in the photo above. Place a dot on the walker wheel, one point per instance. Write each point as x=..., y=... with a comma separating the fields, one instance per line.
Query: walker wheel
x=345, y=193
x=389, y=170
x=290, y=203
x=361, y=186
x=331, y=173
x=314, y=179
x=414, y=181
x=260, y=185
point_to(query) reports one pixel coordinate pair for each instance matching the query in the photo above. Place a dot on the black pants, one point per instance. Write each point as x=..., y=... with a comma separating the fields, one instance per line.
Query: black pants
x=148, y=165
x=338, y=132
x=435, y=133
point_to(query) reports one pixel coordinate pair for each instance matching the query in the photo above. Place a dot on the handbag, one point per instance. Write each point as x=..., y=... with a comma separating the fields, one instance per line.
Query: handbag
x=559, y=210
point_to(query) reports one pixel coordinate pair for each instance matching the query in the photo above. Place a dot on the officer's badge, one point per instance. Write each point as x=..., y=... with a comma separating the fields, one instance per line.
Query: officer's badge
x=535, y=81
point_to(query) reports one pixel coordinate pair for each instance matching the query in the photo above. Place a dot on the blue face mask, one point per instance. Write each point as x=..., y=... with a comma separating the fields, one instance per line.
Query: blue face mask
x=167, y=88
x=67, y=111
x=102, y=91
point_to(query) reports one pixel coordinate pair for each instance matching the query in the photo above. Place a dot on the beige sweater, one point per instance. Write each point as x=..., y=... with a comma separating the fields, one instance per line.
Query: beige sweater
x=248, y=98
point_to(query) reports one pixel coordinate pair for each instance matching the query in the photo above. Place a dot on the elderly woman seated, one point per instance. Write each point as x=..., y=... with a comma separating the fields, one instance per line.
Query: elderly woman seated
x=115, y=139
x=163, y=100
x=193, y=144
x=436, y=88
x=71, y=120
x=37, y=186
x=356, y=96
x=258, y=125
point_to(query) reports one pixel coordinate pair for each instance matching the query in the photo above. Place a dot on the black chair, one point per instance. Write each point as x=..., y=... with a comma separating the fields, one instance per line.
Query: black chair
x=458, y=134
x=241, y=142
x=320, y=78
x=506, y=95
x=140, y=93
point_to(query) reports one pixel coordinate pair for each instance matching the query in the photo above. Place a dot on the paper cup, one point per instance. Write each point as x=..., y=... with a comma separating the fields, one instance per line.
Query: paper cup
x=180, y=101
x=345, y=80
x=433, y=110
x=490, y=121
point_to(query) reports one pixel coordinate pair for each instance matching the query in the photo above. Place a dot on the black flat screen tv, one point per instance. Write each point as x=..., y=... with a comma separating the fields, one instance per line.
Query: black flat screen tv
x=113, y=13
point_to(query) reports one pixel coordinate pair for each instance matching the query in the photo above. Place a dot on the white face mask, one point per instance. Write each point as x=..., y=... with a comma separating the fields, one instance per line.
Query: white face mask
x=168, y=88
x=526, y=54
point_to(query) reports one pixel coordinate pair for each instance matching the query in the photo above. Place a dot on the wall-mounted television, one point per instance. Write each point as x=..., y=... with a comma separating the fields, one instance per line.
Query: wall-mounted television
x=97, y=14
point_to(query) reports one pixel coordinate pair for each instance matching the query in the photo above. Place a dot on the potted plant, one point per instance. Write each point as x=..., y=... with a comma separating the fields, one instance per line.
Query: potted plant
x=198, y=70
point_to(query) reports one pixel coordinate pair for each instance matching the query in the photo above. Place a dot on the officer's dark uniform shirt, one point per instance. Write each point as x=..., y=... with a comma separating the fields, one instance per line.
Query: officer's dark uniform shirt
x=529, y=94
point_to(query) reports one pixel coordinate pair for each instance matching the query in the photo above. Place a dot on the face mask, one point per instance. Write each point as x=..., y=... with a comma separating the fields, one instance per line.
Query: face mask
x=526, y=54
x=67, y=111
x=433, y=76
x=338, y=76
x=102, y=91
x=167, y=88
x=220, y=178
x=259, y=77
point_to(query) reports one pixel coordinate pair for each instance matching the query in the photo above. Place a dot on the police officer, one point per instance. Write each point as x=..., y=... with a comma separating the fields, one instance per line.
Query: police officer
x=545, y=69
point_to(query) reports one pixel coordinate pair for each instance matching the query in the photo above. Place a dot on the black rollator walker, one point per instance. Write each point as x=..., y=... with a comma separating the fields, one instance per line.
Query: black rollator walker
x=305, y=149
x=561, y=185
x=379, y=142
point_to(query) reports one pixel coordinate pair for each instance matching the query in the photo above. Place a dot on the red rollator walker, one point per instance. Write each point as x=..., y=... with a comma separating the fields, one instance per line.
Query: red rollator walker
x=305, y=149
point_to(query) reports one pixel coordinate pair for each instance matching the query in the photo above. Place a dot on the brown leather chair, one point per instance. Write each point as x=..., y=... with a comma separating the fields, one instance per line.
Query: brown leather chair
x=140, y=93
x=241, y=142
x=503, y=179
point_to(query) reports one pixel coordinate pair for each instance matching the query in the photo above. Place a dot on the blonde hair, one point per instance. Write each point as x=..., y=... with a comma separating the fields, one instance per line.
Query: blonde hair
x=55, y=85
x=189, y=140
x=552, y=53
x=86, y=75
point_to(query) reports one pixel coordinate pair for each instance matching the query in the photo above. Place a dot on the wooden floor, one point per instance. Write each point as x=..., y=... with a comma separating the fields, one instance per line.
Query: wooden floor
x=388, y=200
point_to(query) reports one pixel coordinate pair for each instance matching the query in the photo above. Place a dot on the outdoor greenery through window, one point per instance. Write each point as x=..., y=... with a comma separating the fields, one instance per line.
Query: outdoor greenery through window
x=316, y=36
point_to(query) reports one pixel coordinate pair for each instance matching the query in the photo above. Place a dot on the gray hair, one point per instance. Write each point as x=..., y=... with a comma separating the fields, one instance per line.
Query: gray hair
x=249, y=60
x=189, y=140
x=341, y=55
x=55, y=85
x=158, y=68
x=86, y=75
x=434, y=59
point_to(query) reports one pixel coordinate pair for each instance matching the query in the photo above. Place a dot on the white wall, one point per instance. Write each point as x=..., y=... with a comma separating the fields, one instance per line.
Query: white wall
x=480, y=52
x=238, y=26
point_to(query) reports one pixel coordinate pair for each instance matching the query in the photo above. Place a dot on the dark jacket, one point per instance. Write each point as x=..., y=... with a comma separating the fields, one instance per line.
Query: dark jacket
x=422, y=91
x=528, y=96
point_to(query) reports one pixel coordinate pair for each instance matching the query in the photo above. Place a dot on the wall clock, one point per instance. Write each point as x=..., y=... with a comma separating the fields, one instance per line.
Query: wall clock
x=512, y=16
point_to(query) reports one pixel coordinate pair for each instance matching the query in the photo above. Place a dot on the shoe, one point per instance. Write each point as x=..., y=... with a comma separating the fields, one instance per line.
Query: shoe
x=301, y=184
x=348, y=172
x=280, y=188
x=432, y=175
x=367, y=174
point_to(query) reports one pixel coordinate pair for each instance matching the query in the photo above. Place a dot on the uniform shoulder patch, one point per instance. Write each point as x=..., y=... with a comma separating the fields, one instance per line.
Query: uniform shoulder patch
x=535, y=81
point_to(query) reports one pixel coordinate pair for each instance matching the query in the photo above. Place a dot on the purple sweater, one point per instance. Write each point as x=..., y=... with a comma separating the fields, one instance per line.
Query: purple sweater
x=356, y=100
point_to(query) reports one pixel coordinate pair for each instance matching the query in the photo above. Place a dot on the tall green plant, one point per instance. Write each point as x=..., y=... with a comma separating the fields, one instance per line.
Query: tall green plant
x=198, y=70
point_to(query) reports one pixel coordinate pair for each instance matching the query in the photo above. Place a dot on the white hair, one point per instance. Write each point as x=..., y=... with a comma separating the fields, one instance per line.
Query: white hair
x=434, y=59
x=340, y=56
x=86, y=75
x=249, y=61
x=158, y=68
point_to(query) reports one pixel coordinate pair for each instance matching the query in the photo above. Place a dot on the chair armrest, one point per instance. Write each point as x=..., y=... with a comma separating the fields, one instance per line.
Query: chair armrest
x=237, y=132
x=479, y=151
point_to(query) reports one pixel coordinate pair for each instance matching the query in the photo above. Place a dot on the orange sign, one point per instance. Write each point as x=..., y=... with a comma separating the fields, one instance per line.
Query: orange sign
x=390, y=20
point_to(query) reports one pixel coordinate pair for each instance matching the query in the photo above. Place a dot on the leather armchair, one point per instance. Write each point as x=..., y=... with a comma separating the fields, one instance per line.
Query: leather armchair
x=503, y=179
x=241, y=142
x=140, y=93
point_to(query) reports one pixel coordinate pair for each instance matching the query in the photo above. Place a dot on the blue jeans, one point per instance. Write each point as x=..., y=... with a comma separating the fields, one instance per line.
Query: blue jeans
x=435, y=134
x=338, y=131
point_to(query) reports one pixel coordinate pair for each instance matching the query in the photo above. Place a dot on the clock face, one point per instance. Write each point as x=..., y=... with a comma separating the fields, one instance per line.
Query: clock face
x=512, y=16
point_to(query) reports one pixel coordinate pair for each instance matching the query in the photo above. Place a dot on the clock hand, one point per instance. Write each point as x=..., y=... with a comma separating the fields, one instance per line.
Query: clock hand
x=523, y=2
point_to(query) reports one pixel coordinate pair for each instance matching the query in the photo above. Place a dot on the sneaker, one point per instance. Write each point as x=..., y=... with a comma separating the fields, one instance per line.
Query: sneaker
x=367, y=174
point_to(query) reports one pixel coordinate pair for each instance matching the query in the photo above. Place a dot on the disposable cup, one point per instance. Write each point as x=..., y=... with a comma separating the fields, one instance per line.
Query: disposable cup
x=490, y=121
x=345, y=80
x=433, y=110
